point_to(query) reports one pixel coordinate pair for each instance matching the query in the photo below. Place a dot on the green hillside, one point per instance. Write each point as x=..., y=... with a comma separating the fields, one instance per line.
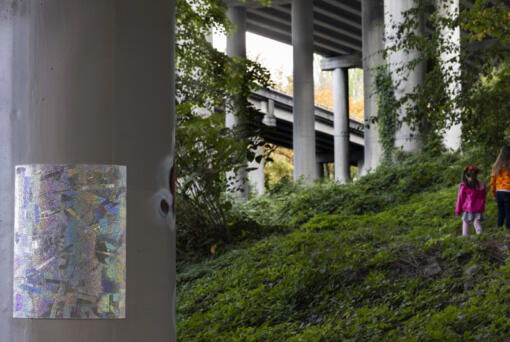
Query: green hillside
x=380, y=259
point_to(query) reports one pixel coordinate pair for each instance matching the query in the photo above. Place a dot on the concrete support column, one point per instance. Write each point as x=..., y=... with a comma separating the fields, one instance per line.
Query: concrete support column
x=236, y=46
x=91, y=82
x=450, y=63
x=340, y=65
x=256, y=176
x=6, y=170
x=341, y=124
x=372, y=17
x=303, y=97
x=406, y=81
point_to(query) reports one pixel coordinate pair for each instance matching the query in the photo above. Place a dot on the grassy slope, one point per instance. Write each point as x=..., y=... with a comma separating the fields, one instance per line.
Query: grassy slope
x=402, y=273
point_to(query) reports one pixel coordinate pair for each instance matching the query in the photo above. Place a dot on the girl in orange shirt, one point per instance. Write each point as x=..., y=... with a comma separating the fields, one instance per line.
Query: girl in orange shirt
x=500, y=185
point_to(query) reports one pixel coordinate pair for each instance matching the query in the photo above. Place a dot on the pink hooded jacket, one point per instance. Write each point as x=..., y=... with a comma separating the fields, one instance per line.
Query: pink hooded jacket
x=471, y=200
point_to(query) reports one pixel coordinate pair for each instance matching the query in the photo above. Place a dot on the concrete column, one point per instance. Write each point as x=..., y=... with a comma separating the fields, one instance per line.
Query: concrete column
x=236, y=46
x=340, y=66
x=6, y=171
x=406, y=81
x=256, y=176
x=303, y=97
x=450, y=63
x=372, y=17
x=91, y=82
x=341, y=124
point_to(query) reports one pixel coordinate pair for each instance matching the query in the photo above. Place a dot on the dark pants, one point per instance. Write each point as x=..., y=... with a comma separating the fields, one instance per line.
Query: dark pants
x=503, y=200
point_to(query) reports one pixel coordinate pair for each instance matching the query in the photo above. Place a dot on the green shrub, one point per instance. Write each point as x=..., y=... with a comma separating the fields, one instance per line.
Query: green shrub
x=197, y=239
x=293, y=204
x=290, y=204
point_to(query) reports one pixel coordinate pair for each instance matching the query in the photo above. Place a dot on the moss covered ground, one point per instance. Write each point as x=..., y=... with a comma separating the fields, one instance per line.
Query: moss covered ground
x=392, y=267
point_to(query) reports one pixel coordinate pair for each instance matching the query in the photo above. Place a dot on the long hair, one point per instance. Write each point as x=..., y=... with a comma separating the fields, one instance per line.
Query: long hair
x=469, y=177
x=502, y=160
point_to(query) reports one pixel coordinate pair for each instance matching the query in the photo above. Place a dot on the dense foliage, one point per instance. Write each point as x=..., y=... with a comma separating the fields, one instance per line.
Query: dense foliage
x=205, y=149
x=290, y=204
x=488, y=113
x=386, y=118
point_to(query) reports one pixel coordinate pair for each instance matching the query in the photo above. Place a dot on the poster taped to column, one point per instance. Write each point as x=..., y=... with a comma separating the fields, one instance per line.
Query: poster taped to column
x=70, y=242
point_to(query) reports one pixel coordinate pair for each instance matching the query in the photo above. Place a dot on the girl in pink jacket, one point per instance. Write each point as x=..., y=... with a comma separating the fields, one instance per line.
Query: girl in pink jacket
x=471, y=200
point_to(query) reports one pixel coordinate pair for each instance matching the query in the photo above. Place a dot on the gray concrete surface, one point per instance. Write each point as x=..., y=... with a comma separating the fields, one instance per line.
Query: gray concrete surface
x=341, y=124
x=303, y=97
x=450, y=63
x=256, y=176
x=406, y=138
x=91, y=81
x=372, y=12
x=340, y=66
x=236, y=46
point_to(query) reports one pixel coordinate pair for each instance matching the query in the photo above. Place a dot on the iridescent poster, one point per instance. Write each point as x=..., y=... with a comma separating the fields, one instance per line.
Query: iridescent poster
x=70, y=242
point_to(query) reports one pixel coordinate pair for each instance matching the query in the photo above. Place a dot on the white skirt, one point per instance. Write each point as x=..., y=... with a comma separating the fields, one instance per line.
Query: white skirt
x=467, y=216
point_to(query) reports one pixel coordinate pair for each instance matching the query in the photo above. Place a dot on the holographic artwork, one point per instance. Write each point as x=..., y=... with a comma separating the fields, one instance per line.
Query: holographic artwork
x=70, y=242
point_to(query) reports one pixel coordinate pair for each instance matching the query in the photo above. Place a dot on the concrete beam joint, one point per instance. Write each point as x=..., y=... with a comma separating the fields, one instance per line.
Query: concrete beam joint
x=347, y=61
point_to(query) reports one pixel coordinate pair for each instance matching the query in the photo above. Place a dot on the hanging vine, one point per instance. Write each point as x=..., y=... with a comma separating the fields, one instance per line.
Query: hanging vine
x=387, y=106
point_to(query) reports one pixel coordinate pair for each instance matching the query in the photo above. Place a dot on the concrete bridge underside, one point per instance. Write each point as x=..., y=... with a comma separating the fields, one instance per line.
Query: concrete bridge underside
x=333, y=29
x=349, y=33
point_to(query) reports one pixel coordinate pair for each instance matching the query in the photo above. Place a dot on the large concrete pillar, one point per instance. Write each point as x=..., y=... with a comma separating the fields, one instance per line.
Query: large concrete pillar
x=450, y=63
x=6, y=170
x=372, y=17
x=91, y=82
x=303, y=97
x=407, y=80
x=341, y=124
x=236, y=46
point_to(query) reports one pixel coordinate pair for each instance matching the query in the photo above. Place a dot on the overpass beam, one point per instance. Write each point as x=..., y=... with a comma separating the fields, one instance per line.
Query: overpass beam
x=236, y=47
x=77, y=81
x=372, y=18
x=304, y=119
x=406, y=138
